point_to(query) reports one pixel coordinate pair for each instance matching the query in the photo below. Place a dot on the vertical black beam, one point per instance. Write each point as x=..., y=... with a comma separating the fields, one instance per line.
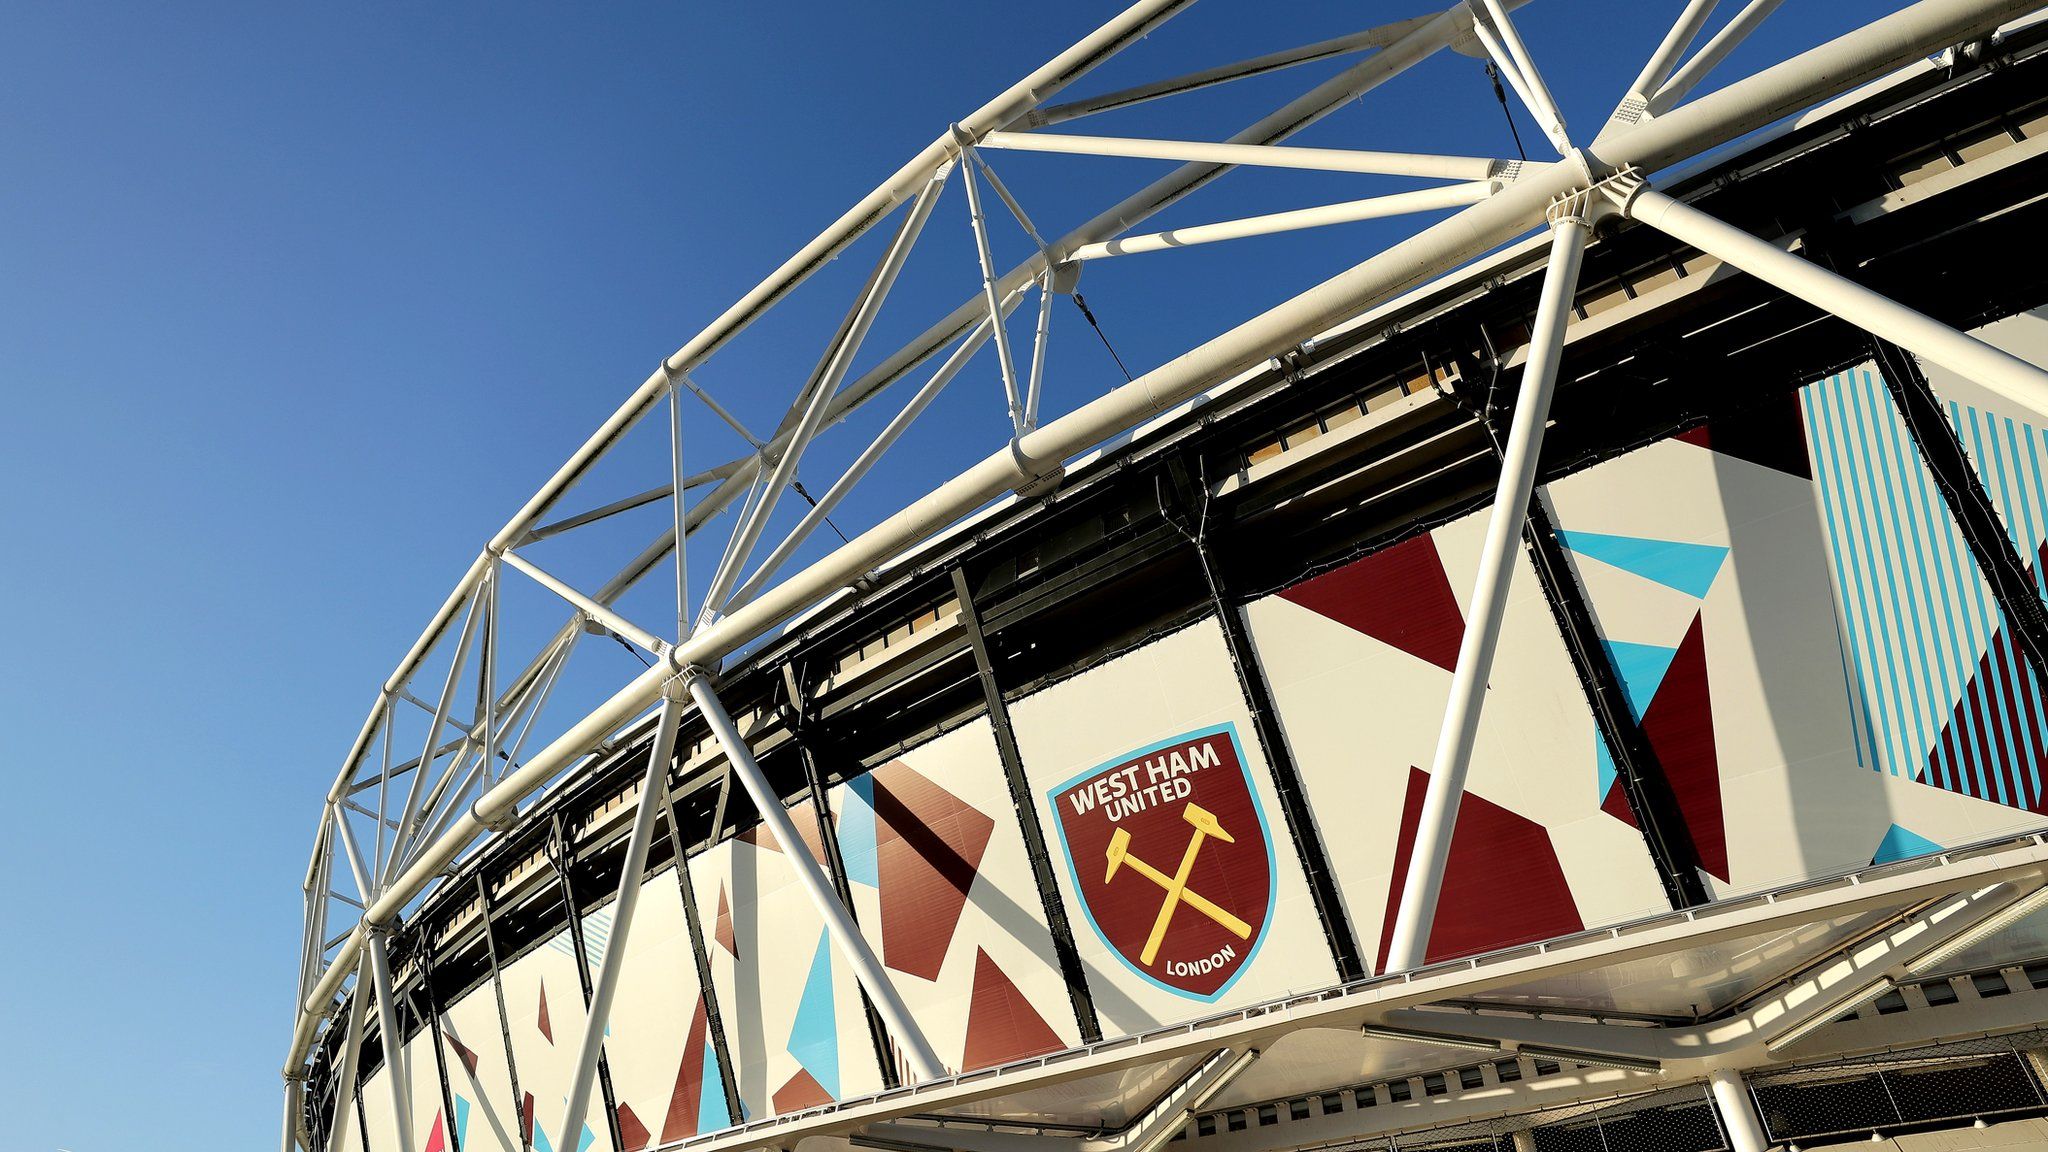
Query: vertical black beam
x=362, y=1117
x=559, y=842
x=700, y=954
x=1280, y=765
x=804, y=738
x=483, y=895
x=432, y=1031
x=1056, y=922
x=1941, y=448
x=1642, y=777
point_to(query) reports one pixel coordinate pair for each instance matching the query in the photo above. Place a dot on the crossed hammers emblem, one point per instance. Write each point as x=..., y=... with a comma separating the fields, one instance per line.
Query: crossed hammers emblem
x=1176, y=886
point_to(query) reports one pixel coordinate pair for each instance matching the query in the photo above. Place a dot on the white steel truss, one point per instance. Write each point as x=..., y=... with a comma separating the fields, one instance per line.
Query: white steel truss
x=474, y=771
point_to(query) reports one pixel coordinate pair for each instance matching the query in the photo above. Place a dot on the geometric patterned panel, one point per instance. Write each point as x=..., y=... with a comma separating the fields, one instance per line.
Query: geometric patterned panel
x=943, y=891
x=791, y=1008
x=661, y=1067
x=1943, y=697
x=474, y=1050
x=1359, y=660
x=544, y=1007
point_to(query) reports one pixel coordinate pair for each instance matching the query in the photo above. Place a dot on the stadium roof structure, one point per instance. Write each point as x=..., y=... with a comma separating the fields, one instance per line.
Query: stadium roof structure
x=1620, y=1009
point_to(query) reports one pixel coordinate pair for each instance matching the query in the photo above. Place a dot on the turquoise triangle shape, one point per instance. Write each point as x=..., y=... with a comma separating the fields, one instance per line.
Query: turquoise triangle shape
x=589, y=1138
x=857, y=833
x=1604, y=765
x=711, y=1110
x=461, y=1121
x=1902, y=844
x=1689, y=568
x=1641, y=668
x=814, y=1037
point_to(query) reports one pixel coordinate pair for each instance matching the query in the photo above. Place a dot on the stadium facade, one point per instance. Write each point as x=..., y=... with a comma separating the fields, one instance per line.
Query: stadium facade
x=1218, y=766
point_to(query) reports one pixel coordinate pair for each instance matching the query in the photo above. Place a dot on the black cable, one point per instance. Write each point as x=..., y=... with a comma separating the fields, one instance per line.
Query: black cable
x=1493, y=74
x=627, y=645
x=1082, y=304
x=798, y=487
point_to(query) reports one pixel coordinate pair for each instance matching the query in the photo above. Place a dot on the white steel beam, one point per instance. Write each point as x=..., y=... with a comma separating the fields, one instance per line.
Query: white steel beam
x=345, y=1073
x=1749, y=104
x=992, y=296
x=653, y=785
x=1035, y=386
x=586, y=604
x=1488, y=604
x=1966, y=356
x=391, y=1036
x=1371, y=38
x=1519, y=64
x=846, y=938
x=1252, y=155
x=1725, y=41
x=860, y=466
x=1323, y=216
x=1671, y=48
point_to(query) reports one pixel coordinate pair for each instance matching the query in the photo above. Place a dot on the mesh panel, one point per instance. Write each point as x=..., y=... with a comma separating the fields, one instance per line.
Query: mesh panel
x=1672, y=1120
x=1949, y=1082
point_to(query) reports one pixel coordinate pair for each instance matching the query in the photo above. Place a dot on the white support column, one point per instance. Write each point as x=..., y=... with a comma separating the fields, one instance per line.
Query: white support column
x=2000, y=371
x=1737, y=1110
x=653, y=784
x=846, y=937
x=1322, y=216
x=1717, y=49
x=1673, y=46
x=294, y=1090
x=345, y=1087
x=992, y=297
x=391, y=1036
x=1424, y=165
x=1569, y=226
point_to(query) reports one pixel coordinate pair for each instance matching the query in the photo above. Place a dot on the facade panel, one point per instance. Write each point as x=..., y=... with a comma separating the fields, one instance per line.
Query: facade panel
x=1360, y=661
x=1168, y=838
x=944, y=893
x=486, y=1112
x=793, y=1013
x=664, y=1072
x=544, y=1005
x=378, y=1112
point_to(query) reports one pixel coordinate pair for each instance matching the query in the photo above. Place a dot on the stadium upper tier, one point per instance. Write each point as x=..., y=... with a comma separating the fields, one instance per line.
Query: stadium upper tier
x=1583, y=669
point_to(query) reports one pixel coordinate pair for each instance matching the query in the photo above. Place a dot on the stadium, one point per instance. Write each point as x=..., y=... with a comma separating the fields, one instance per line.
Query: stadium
x=1577, y=679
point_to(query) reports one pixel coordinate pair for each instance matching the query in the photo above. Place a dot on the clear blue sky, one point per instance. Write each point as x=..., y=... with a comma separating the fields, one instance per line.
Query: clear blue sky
x=299, y=302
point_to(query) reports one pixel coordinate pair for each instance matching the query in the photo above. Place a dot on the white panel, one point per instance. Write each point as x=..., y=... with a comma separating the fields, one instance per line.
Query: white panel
x=1000, y=934
x=1362, y=716
x=486, y=1115
x=547, y=1057
x=1174, y=686
x=778, y=947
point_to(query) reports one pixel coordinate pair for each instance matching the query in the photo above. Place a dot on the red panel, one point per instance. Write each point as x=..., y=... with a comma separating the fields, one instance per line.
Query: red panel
x=546, y=1029
x=437, y=1138
x=462, y=1052
x=685, y=1101
x=632, y=1133
x=930, y=844
x=1502, y=884
x=1001, y=1024
x=1399, y=596
x=804, y=816
x=800, y=1093
x=722, y=930
x=1679, y=724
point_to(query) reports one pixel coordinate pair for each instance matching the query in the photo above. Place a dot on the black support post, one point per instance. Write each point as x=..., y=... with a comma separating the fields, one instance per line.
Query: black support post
x=1642, y=778
x=483, y=895
x=1286, y=774
x=700, y=953
x=560, y=857
x=1056, y=921
x=803, y=736
x=433, y=1035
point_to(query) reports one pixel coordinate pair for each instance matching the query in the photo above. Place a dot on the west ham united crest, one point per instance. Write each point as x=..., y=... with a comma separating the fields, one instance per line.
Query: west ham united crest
x=1169, y=851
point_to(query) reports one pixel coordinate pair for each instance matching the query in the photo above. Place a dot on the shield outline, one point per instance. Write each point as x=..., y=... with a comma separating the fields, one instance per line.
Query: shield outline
x=1227, y=728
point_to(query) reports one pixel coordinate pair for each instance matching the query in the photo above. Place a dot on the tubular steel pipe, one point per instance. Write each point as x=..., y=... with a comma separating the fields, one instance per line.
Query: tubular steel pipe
x=392, y=1038
x=1737, y=1110
x=1673, y=46
x=1251, y=155
x=846, y=937
x=1488, y=604
x=653, y=784
x=1349, y=212
x=1818, y=74
x=1965, y=355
